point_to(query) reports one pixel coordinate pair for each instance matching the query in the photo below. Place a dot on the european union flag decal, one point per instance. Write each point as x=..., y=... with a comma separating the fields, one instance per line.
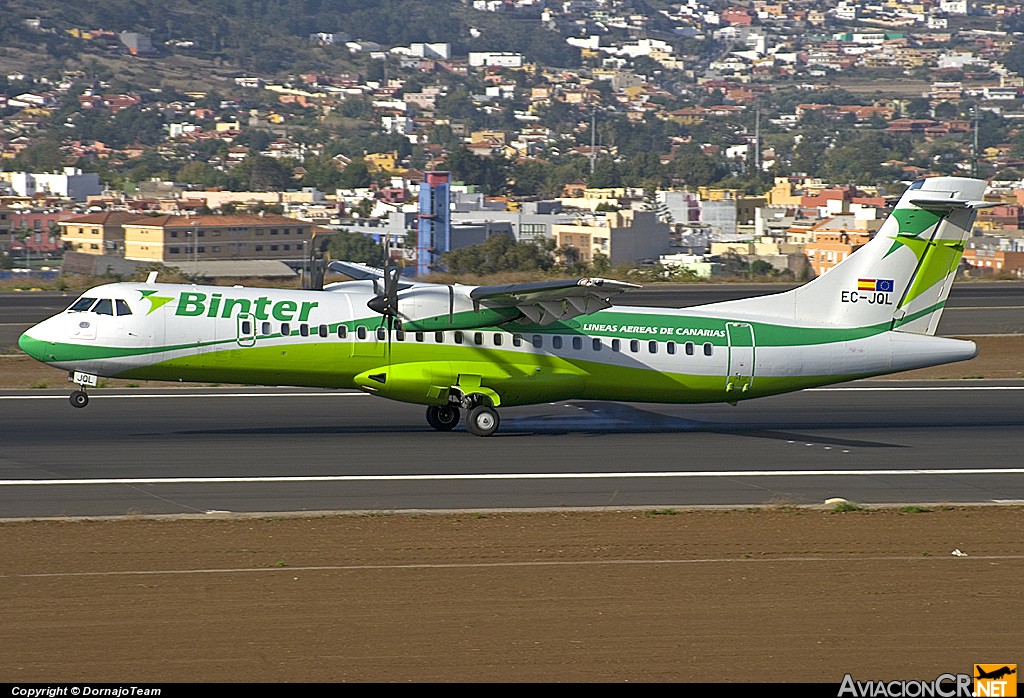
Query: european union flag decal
x=884, y=285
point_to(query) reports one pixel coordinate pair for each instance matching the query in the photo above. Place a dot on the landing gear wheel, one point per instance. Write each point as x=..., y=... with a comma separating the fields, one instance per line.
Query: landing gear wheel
x=79, y=398
x=482, y=420
x=443, y=418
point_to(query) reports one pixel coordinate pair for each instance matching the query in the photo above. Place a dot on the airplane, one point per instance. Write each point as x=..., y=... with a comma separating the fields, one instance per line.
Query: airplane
x=996, y=673
x=456, y=348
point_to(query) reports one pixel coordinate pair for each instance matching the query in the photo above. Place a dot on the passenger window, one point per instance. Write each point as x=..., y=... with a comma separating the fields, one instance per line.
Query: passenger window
x=670, y=347
x=104, y=307
x=596, y=343
x=517, y=340
x=246, y=329
x=382, y=334
x=458, y=336
x=708, y=348
x=324, y=329
x=266, y=328
x=556, y=342
x=577, y=343
x=439, y=337
x=419, y=336
x=478, y=338
x=286, y=329
x=652, y=347
x=634, y=345
x=81, y=305
x=497, y=339
x=689, y=348
x=342, y=331
x=304, y=330
x=400, y=335
x=122, y=307
x=361, y=332
x=616, y=345
x=538, y=341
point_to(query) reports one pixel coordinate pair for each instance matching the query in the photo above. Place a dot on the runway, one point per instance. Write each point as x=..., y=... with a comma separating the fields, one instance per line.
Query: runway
x=277, y=450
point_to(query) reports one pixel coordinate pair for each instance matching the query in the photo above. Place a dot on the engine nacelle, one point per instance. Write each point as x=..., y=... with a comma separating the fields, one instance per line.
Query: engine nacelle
x=439, y=308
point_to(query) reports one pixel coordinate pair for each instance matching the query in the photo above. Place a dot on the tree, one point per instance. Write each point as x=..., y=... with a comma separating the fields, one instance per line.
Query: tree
x=355, y=175
x=355, y=247
x=919, y=108
x=262, y=173
x=500, y=253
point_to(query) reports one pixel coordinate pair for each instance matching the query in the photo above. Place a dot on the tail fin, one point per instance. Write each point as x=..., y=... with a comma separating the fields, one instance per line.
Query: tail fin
x=902, y=277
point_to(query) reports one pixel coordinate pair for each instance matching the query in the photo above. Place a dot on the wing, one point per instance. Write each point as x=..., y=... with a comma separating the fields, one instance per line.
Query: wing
x=545, y=302
x=362, y=272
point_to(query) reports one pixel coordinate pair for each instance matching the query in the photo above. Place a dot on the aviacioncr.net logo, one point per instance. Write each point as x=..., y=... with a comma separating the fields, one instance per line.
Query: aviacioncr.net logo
x=943, y=686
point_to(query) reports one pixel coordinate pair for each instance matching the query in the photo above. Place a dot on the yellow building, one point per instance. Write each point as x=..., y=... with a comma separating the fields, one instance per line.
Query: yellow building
x=170, y=239
x=96, y=233
x=378, y=162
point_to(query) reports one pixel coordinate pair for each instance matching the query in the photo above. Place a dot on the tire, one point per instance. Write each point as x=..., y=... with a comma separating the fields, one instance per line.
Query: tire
x=79, y=399
x=443, y=418
x=482, y=420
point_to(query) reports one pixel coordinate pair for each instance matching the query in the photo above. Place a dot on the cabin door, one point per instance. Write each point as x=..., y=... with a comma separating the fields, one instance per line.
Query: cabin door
x=740, y=375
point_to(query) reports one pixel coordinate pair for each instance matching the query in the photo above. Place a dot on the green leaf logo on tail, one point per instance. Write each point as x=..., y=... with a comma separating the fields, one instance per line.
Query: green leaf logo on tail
x=155, y=301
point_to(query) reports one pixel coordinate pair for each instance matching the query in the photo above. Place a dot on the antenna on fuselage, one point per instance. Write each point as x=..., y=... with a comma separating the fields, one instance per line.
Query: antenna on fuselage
x=151, y=279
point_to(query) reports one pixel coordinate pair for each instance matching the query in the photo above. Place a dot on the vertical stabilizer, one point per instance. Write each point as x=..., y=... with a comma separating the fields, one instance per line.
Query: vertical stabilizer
x=900, y=279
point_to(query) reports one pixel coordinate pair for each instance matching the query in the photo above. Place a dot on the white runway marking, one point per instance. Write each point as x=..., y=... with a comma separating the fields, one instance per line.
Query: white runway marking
x=159, y=396
x=476, y=565
x=505, y=476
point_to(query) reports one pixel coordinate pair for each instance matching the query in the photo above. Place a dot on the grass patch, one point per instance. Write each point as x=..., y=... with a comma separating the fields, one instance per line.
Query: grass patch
x=662, y=512
x=914, y=509
x=40, y=385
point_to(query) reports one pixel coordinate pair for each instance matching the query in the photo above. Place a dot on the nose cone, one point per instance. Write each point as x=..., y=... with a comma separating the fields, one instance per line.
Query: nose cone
x=32, y=346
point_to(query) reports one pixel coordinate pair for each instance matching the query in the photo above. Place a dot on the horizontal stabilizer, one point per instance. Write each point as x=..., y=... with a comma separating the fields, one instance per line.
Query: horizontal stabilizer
x=952, y=204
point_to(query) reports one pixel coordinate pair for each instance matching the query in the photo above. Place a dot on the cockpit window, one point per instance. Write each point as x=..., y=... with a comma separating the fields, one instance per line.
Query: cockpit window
x=104, y=307
x=81, y=305
x=122, y=307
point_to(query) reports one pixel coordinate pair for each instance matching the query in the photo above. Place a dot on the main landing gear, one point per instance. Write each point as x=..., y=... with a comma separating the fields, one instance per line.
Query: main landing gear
x=481, y=419
x=443, y=418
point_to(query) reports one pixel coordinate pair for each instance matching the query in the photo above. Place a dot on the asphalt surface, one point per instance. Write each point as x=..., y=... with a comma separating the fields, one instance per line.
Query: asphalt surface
x=989, y=307
x=188, y=451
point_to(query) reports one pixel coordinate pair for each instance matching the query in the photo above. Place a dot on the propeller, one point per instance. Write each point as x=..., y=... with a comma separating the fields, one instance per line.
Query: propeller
x=386, y=301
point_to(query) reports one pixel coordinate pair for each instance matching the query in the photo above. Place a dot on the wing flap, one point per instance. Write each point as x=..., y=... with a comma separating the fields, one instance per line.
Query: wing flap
x=545, y=302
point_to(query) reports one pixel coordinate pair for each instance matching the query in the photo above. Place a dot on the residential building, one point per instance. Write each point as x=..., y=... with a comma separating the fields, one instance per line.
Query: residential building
x=96, y=233
x=621, y=236
x=169, y=239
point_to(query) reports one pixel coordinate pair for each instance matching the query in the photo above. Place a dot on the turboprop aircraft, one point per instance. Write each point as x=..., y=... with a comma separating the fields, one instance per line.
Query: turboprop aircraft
x=460, y=348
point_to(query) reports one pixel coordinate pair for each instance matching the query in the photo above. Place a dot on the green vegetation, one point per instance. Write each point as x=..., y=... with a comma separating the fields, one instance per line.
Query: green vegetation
x=500, y=253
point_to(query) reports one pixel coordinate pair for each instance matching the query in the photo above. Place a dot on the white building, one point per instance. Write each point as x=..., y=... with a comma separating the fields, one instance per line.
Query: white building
x=72, y=183
x=502, y=59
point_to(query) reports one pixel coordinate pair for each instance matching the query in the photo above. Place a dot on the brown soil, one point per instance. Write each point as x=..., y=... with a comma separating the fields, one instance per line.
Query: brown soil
x=999, y=357
x=778, y=595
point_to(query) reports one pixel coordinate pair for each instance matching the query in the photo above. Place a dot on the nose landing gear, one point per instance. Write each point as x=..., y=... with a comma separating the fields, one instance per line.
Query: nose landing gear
x=79, y=398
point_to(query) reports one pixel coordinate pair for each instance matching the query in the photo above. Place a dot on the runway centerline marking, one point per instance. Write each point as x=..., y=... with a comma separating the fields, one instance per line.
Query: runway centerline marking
x=504, y=476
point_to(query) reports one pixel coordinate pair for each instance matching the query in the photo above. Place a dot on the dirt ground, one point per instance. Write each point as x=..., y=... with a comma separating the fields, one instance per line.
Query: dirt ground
x=765, y=595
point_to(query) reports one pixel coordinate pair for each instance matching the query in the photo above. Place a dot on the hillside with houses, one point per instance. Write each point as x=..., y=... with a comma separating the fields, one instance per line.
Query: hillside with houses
x=664, y=140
